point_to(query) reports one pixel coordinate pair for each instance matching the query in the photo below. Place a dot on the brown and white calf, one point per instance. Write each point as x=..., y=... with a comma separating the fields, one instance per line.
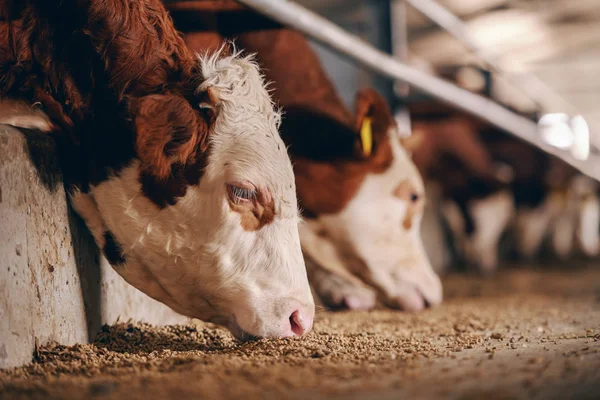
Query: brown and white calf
x=362, y=207
x=173, y=160
x=493, y=183
x=363, y=212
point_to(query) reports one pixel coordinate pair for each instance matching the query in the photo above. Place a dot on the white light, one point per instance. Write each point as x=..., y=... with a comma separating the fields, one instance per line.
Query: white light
x=581, y=142
x=555, y=130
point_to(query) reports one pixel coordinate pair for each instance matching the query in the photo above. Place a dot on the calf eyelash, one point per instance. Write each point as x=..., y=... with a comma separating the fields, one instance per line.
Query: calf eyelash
x=239, y=194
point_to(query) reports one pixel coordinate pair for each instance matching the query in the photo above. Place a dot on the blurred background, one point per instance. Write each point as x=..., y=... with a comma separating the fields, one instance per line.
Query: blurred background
x=539, y=58
x=557, y=41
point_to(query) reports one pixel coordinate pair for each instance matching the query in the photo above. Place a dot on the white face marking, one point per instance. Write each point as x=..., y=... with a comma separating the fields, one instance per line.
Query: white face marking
x=368, y=238
x=491, y=216
x=195, y=256
x=587, y=203
x=589, y=226
x=531, y=228
x=562, y=235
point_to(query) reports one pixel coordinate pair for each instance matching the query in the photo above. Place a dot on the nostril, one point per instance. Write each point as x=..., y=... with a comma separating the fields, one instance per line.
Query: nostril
x=427, y=303
x=297, y=323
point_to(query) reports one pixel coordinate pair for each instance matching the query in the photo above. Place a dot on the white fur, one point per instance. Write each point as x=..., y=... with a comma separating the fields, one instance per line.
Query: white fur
x=531, y=228
x=338, y=289
x=576, y=214
x=588, y=213
x=195, y=256
x=491, y=216
x=563, y=235
x=368, y=239
x=589, y=225
x=571, y=209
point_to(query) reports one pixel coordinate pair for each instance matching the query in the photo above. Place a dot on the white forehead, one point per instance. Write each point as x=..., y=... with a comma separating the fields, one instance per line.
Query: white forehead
x=402, y=168
x=246, y=145
x=375, y=210
x=372, y=221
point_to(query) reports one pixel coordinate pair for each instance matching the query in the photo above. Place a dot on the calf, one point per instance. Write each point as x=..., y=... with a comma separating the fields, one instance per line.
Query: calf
x=363, y=208
x=477, y=206
x=362, y=197
x=173, y=160
x=492, y=181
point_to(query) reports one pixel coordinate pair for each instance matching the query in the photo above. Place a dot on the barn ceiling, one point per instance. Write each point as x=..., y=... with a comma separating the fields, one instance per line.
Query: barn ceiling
x=557, y=41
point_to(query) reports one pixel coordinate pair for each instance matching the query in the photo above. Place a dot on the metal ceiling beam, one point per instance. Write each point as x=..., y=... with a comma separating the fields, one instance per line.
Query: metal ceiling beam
x=530, y=84
x=463, y=8
x=322, y=30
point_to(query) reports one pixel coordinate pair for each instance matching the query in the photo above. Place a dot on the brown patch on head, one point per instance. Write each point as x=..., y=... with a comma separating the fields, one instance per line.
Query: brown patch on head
x=414, y=197
x=168, y=130
x=457, y=137
x=324, y=184
x=83, y=63
x=291, y=64
x=326, y=188
x=171, y=142
x=256, y=212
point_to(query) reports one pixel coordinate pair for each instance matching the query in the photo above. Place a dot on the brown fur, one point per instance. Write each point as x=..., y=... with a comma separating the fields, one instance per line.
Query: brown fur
x=118, y=79
x=203, y=5
x=331, y=172
x=460, y=152
x=456, y=136
x=295, y=70
x=325, y=187
x=320, y=131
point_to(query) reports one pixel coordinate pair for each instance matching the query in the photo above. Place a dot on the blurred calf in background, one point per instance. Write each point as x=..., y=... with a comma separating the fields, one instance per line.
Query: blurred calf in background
x=492, y=183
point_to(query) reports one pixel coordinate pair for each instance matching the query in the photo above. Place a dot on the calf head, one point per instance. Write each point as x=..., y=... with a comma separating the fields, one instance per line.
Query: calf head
x=477, y=202
x=204, y=216
x=363, y=200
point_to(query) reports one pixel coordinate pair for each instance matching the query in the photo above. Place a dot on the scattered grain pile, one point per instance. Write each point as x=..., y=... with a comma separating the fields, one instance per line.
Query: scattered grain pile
x=522, y=334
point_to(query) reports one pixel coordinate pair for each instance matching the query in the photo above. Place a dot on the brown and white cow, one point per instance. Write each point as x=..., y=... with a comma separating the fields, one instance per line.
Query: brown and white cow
x=174, y=160
x=362, y=202
x=493, y=183
x=457, y=167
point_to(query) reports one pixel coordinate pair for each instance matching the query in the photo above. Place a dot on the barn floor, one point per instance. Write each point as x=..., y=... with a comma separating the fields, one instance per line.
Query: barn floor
x=524, y=334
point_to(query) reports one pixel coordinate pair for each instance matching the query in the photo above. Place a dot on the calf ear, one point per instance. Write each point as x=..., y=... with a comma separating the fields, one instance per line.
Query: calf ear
x=374, y=120
x=169, y=130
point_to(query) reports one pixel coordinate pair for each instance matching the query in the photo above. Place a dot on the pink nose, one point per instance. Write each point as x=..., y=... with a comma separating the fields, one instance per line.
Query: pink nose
x=301, y=322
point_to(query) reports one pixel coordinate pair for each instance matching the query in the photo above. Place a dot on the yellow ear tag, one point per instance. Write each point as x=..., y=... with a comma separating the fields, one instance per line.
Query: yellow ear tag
x=366, y=137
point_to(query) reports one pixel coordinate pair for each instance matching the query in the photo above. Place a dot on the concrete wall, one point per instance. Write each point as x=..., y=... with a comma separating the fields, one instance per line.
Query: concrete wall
x=54, y=284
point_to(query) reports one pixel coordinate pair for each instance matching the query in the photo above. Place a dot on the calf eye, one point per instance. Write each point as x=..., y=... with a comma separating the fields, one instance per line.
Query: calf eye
x=239, y=194
x=414, y=197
